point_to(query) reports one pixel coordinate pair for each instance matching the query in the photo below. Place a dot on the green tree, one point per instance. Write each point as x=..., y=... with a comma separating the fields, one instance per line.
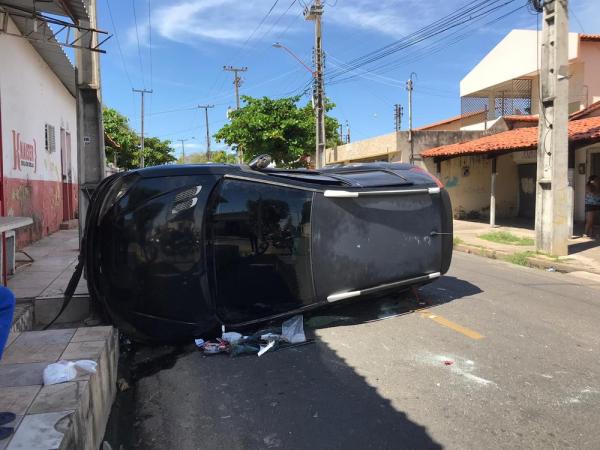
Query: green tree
x=219, y=156
x=123, y=146
x=277, y=127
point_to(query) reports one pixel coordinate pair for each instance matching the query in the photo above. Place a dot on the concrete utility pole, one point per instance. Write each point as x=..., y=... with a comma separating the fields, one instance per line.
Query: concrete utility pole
x=398, y=112
x=315, y=12
x=90, y=129
x=347, y=132
x=409, y=88
x=553, y=199
x=205, y=107
x=142, y=91
x=237, y=81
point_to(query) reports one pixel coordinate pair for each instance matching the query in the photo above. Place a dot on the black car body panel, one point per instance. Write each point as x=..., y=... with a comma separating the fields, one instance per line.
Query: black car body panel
x=176, y=251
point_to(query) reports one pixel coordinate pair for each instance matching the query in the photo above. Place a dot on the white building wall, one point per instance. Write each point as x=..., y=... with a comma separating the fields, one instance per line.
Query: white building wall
x=31, y=95
x=515, y=56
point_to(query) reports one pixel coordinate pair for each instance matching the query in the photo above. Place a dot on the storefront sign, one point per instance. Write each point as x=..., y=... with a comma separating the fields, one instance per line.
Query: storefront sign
x=24, y=153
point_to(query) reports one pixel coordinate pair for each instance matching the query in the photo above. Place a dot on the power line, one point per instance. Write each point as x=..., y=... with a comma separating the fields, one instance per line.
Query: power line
x=118, y=43
x=137, y=34
x=465, y=14
x=426, y=51
x=150, y=42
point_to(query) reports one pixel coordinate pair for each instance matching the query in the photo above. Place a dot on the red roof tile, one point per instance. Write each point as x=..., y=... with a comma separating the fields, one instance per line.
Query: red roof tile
x=531, y=118
x=514, y=140
x=580, y=114
x=590, y=37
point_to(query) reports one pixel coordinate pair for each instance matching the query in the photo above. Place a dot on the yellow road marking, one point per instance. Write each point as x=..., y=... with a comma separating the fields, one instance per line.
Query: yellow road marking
x=452, y=325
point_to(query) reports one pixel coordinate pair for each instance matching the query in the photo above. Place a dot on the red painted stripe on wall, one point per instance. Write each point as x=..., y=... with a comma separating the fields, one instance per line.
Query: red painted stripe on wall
x=42, y=201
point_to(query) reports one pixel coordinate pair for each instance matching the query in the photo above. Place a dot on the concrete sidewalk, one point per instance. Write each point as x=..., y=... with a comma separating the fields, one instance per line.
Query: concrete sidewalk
x=42, y=283
x=55, y=257
x=71, y=415
x=584, y=253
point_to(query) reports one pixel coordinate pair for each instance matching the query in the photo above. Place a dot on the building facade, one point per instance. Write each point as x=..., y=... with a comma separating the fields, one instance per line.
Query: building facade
x=38, y=132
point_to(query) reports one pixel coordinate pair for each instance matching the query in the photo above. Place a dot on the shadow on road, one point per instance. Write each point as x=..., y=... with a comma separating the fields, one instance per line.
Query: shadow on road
x=305, y=397
x=444, y=290
x=295, y=398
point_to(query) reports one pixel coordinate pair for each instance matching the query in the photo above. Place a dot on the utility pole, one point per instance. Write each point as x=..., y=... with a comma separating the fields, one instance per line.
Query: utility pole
x=409, y=88
x=237, y=82
x=205, y=108
x=90, y=127
x=553, y=194
x=398, y=112
x=183, y=148
x=315, y=12
x=347, y=132
x=143, y=92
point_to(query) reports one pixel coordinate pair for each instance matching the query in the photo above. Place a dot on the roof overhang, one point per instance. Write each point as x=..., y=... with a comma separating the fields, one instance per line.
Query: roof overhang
x=75, y=9
x=49, y=49
x=515, y=56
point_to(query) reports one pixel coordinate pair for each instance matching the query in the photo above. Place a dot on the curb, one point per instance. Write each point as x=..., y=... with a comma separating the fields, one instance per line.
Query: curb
x=532, y=261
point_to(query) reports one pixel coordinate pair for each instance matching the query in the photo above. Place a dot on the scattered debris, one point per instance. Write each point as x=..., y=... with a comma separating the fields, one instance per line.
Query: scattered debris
x=291, y=334
x=63, y=371
x=122, y=384
x=551, y=269
x=293, y=330
x=265, y=348
x=447, y=362
x=231, y=336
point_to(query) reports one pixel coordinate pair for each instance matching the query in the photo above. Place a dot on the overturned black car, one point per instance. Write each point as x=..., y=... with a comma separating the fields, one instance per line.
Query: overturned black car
x=173, y=252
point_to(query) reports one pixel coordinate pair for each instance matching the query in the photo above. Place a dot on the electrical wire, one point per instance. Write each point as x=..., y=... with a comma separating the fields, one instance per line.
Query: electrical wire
x=435, y=47
x=137, y=34
x=118, y=43
x=150, y=42
x=465, y=14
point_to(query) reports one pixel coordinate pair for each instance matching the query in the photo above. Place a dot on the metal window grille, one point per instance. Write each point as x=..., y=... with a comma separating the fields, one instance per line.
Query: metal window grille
x=512, y=98
x=50, y=135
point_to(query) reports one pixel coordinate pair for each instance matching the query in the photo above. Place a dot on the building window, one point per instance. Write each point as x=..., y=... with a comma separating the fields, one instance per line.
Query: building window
x=50, y=136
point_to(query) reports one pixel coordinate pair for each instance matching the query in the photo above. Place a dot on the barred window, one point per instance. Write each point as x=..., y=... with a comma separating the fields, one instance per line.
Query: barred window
x=50, y=135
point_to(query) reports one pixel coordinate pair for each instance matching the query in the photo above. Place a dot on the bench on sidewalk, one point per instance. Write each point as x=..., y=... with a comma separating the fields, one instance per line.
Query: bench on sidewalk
x=8, y=225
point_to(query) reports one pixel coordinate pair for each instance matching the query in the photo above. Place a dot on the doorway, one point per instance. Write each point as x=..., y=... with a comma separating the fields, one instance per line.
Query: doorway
x=595, y=164
x=527, y=177
x=66, y=174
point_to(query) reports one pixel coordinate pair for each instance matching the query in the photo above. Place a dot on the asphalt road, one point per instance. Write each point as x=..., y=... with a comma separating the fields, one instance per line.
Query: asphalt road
x=505, y=357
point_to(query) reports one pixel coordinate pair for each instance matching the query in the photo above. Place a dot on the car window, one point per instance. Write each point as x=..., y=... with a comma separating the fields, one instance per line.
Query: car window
x=260, y=244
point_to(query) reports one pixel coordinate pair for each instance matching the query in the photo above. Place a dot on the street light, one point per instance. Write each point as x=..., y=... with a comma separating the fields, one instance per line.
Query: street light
x=280, y=45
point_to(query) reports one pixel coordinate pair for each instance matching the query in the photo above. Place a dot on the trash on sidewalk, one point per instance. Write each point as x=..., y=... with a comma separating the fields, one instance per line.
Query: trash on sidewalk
x=290, y=334
x=63, y=371
x=447, y=362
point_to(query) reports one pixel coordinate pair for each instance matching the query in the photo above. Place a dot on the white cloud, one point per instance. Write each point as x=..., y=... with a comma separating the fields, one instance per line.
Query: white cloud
x=232, y=21
x=226, y=21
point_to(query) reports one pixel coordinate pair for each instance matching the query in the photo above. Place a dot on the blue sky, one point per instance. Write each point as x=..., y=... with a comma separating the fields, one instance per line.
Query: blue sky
x=184, y=44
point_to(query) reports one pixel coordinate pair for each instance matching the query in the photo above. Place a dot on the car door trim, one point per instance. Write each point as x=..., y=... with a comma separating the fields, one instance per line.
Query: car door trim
x=382, y=287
